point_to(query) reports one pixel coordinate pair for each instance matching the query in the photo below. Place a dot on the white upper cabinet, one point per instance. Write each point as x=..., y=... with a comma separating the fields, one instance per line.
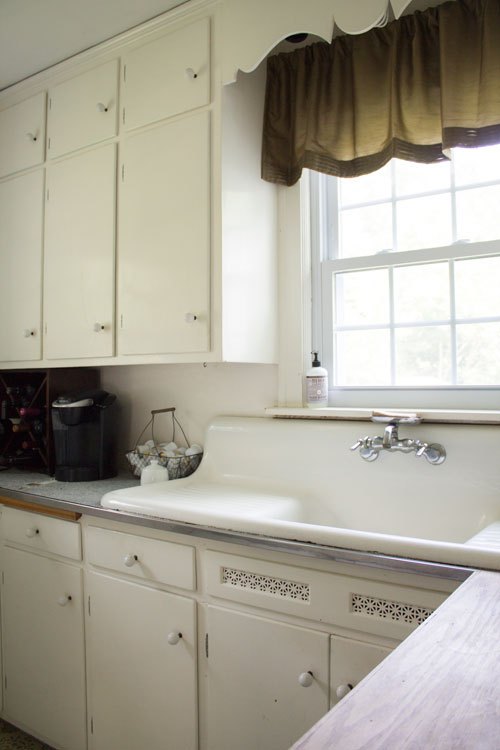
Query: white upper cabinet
x=83, y=110
x=79, y=255
x=21, y=222
x=164, y=239
x=167, y=76
x=22, y=135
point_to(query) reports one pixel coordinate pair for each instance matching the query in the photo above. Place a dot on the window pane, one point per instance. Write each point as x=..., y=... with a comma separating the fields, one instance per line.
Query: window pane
x=476, y=288
x=412, y=178
x=362, y=297
x=478, y=362
x=375, y=186
x=477, y=214
x=476, y=164
x=424, y=222
x=423, y=356
x=365, y=231
x=421, y=293
x=363, y=358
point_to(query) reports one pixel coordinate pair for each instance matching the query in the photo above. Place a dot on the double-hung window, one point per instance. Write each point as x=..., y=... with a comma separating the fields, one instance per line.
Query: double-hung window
x=406, y=282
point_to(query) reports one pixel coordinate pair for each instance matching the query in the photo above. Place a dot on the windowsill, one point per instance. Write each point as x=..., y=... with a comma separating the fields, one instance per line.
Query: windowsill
x=458, y=416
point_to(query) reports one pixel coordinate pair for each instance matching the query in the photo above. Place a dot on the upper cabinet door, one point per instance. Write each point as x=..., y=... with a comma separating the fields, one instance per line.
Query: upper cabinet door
x=21, y=222
x=79, y=255
x=164, y=239
x=83, y=110
x=22, y=135
x=167, y=76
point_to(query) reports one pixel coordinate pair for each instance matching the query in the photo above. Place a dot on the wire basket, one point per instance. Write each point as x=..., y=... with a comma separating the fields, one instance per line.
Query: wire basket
x=177, y=466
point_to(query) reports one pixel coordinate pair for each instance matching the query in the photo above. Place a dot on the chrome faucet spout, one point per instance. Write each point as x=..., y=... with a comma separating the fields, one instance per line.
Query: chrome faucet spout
x=390, y=435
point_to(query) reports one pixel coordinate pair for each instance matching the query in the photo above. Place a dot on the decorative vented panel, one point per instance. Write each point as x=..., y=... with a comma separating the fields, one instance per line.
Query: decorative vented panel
x=411, y=614
x=243, y=579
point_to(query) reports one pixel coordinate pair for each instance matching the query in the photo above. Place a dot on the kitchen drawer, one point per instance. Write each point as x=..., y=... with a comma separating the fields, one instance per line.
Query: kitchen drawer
x=149, y=559
x=42, y=533
x=359, y=604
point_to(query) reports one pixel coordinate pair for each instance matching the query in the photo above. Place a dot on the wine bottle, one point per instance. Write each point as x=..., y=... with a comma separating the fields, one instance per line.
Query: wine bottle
x=21, y=427
x=29, y=411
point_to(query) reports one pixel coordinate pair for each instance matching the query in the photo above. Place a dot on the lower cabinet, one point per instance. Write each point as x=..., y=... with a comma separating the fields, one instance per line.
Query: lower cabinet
x=43, y=647
x=267, y=681
x=350, y=661
x=141, y=650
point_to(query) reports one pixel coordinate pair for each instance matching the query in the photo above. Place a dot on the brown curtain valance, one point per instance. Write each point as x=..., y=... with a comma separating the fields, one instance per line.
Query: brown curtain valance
x=420, y=85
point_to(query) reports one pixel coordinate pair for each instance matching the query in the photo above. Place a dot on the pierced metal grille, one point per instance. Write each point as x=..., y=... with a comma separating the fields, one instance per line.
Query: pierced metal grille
x=410, y=614
x=243, y=579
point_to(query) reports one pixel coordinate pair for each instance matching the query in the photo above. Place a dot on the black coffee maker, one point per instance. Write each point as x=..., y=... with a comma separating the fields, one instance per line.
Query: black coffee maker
x=84, y=427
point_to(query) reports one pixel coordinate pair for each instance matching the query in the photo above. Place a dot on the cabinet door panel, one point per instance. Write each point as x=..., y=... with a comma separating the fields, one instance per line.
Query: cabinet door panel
x=83, y=110
x=255, y=699
x=351, y=661
x=22, y=135
x=167, y=76
x=164, y=239
x=21, y=222
x=142, y=689
x=43, y=648
x=79, y=255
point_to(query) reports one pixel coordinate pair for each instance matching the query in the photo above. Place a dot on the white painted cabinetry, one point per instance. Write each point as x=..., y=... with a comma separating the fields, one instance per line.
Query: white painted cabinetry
x=83, y=110
x=141, y=643
x=42, y=628
x=21, y=240
x=167, y=76
x=350, y=661
x=164, y=239
x=142, y=667
x=267, y=681
x=79, y=255
x=22, y=135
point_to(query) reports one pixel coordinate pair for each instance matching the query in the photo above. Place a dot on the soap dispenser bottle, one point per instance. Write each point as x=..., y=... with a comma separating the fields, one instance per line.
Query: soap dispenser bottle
x=154, y=472
x=316, y=384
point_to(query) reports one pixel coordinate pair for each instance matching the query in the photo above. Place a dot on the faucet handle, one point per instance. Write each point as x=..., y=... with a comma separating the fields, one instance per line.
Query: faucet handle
x=357, y=445
x=422, y=449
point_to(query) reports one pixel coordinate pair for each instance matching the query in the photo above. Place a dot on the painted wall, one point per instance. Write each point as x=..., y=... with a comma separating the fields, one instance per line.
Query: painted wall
x=198, y=393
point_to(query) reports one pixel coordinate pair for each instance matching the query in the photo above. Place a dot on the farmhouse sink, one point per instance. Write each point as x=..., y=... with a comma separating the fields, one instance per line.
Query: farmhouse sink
x=267, y=477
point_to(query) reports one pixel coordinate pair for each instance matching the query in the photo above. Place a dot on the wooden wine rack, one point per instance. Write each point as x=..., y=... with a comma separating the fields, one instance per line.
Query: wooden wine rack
x=44, y=386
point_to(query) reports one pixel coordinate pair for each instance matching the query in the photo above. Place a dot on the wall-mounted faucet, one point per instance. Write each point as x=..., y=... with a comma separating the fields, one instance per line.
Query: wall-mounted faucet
x=370, y=447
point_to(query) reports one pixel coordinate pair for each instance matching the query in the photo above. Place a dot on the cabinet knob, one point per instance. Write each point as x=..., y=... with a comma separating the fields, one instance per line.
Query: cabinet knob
x=306, y=679
x=130, y=560
x=190, y=317
x=342, y=690
x=101, y=107
x=63, y=600
x=29, y=332
x=191, y=74
x=174, y=638
x=98, y=327
x=32, y=531
x=31, y=137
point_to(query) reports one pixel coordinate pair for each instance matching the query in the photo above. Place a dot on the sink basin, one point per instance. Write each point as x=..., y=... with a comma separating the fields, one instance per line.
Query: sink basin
x=276, y=480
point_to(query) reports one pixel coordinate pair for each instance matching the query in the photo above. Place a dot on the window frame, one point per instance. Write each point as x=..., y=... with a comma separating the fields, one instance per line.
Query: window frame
x=324, y=206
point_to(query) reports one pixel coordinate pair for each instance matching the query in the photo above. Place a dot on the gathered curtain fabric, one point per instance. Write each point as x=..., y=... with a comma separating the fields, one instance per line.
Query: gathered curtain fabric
x=421, y=85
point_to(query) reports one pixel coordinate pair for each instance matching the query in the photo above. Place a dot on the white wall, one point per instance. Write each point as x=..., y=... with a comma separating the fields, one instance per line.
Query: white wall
x=198, y=393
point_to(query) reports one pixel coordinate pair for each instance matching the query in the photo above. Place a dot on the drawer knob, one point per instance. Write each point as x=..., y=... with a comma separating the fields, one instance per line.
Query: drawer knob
x=28, y=332
x=306, y=679
x=98, y=327
x=31, y=137
x=191, y=73
x=130, y=560
x=63, y=600
x=101, y=107
x=342, y=691
x=174, y=638
x=32, y=531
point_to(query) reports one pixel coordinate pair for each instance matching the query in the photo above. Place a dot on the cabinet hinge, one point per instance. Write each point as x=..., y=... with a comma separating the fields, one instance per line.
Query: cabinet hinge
x=48, y=143
x=50, y=102
x=91, y=725
x=89, y=606
x=47, y=194
x=45, y=328
x=206, y=645
x=123, y=172
x=123, y=116
x=124, y=73
x=121, y=320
